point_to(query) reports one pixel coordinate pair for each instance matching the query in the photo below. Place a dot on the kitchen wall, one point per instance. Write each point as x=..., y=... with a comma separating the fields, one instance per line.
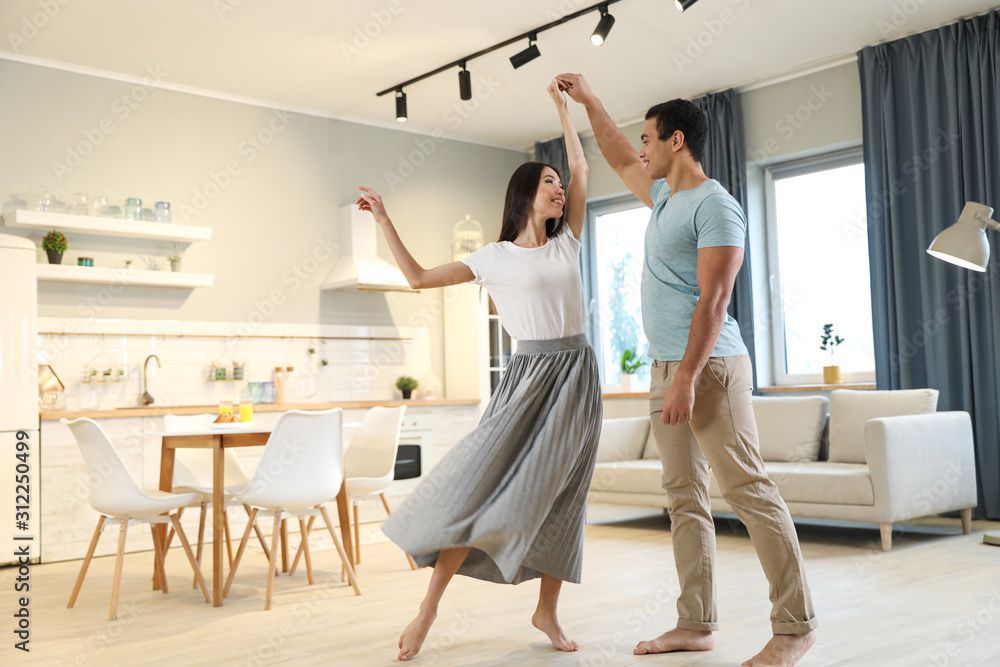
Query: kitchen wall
x=268, y=183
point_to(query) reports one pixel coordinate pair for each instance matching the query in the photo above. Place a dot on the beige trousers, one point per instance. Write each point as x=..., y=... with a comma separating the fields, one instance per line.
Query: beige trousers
x=722, y=435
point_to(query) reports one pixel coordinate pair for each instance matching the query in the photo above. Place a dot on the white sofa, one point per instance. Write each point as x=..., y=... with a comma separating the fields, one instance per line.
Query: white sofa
x=889, y=456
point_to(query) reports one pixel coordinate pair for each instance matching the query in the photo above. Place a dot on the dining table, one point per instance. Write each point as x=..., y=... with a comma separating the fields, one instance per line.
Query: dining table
x=219, y=437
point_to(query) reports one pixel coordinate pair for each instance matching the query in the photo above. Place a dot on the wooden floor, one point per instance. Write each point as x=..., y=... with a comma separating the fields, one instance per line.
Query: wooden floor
x=933, y=600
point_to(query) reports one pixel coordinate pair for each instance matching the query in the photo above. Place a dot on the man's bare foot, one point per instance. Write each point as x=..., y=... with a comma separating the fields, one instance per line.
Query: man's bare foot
x=548, y=624
x=783, y=650
x=414, y=635
x=677, y=639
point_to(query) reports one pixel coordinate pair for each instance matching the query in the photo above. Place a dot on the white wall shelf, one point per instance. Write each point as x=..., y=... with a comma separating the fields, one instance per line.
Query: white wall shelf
x=131, y=277
x=88, y=224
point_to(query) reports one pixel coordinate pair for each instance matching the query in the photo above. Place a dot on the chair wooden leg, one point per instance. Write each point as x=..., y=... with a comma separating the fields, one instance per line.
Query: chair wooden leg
x=252, y=523
x=304, y=532
x=272, y=563
x=967, y=520
x=158, y=560
x=340, y=550
x=229, y=543
x=284, y=545
x=201, y=540
x=170, y=535
x=357, y=535
x=187, y=550
x=117, y=581
x=388, y=510
x=298, y=552
x=86, y=562
x=260, y=535
x=886, y=530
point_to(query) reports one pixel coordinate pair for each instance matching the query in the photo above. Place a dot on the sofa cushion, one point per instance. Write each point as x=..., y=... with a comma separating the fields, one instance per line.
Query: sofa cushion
x=817, y=482
x=622, y=439
x=790, y=428
x=850, y=410
x=650, y=452
x=645, y=476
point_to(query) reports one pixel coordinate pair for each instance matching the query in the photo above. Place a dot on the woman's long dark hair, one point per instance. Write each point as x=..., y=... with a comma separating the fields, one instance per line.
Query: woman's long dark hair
x=521, y=191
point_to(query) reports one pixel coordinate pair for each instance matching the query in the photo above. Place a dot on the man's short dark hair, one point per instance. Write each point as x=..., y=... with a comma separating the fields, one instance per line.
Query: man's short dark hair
x=684, y=116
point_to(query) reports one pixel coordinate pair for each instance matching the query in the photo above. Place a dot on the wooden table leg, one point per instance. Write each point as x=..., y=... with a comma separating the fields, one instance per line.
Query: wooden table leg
x=345, y=522
x=218, y=507
x=166, y=484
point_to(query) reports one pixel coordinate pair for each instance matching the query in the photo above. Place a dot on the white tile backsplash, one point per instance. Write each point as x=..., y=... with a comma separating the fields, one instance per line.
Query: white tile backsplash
x=356, y=370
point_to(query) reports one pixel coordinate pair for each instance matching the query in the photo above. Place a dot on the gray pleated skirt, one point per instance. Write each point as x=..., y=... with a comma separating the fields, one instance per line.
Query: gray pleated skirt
x=515, y=489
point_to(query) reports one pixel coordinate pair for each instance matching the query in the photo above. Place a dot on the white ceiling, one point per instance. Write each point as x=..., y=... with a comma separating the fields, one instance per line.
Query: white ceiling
x=291, y=53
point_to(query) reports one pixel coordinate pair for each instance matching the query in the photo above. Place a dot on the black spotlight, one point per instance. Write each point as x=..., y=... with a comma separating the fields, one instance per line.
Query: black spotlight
x=526, y=56
x=603, y=27
x=681, y=5
x=400, y=106
x=464, y=84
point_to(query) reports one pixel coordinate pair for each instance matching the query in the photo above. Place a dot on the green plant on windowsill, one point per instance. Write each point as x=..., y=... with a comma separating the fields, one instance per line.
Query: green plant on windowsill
x=830, y=341
x=406, y=384
x=630, y=365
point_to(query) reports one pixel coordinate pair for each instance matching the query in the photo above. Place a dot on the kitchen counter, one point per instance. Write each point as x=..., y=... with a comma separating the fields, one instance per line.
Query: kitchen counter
x=159, y=411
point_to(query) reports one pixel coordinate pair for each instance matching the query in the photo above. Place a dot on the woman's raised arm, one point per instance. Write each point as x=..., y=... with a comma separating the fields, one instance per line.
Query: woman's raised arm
x=452, y=273
x=576, y=194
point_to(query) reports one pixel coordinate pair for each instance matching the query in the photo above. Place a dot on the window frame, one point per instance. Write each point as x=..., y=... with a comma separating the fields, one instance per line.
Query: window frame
x=778, y=171
x=588, y=261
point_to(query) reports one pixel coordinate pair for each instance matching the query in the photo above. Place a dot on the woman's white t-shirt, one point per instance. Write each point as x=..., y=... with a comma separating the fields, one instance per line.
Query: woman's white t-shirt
x=538, y=292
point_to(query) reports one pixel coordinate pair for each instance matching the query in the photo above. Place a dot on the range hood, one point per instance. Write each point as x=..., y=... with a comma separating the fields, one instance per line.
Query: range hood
x=359, y=267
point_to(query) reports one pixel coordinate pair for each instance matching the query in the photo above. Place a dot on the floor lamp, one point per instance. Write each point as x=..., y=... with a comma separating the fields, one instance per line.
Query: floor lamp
x=965, y=244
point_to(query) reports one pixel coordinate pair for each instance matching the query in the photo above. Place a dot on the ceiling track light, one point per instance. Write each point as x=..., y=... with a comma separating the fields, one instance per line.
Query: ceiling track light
x=522, y=58
x=603, y=27
x=400, y=105
x=464, y=84
x=681, y=5
x=517, y=60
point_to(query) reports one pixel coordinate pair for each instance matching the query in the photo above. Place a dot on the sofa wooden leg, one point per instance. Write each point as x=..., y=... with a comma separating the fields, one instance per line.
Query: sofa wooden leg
x=886, y=530
x=967, y=520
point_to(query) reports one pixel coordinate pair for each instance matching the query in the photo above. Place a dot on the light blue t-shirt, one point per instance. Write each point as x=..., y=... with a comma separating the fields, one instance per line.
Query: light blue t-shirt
x=704, y=217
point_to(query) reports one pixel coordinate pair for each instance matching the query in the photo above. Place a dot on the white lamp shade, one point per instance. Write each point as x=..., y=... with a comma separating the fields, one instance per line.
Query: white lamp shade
x=964, y=243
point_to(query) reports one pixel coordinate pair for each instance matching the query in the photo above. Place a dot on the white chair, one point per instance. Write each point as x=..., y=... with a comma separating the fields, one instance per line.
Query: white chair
x=301, y=468
x=370, y=463
x=116, y=496
x=193, y=474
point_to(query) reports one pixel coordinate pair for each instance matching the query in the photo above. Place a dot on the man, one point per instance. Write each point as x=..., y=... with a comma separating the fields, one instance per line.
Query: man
x=700, y=394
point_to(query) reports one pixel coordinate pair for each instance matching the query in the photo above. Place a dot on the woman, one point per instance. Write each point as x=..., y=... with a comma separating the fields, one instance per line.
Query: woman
x=507, y=503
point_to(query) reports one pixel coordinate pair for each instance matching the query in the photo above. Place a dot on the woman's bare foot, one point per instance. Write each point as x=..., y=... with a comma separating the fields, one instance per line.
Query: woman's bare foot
x=677, y=639
x=548, y=624
x=414, y=635
x=783, y=650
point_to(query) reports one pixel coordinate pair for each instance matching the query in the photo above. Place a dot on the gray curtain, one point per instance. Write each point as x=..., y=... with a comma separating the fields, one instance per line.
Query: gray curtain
x=723, y=161
x=931, y=111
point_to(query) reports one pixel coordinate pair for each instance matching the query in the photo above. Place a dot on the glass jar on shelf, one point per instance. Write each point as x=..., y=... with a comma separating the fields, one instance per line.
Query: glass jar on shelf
x=162, y=211
x=133, y=208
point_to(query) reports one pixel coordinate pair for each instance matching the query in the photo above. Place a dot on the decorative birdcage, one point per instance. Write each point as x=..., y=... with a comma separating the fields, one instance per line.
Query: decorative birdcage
x=467, y=238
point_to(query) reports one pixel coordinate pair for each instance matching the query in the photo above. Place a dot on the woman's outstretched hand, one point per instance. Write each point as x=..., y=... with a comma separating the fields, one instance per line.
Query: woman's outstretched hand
x=372, y=201
x=555, y=92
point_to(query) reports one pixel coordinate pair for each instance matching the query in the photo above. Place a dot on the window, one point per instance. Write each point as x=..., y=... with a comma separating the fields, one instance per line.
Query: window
x=615, y=237
x=818, y=257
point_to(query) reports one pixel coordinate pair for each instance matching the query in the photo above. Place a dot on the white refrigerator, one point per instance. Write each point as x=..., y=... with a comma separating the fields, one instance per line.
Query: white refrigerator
x=19, y=450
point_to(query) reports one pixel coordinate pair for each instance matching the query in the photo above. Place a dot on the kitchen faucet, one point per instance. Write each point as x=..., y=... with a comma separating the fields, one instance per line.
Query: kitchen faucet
x=147, y=398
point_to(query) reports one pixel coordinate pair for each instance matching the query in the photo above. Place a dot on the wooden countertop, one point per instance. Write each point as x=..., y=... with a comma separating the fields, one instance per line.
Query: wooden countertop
x=795, y=388
x=159, y=411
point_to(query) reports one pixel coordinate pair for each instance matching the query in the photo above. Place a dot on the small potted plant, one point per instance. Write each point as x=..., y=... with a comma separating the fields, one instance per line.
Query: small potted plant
x=630, y=365
x=829, y=341
x=406, y=384
x=128, y=263
x=54, y=244
x=175, y=260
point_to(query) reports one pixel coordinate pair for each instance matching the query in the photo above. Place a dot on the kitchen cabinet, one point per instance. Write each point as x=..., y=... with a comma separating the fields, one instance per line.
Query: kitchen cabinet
x=477, y=347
